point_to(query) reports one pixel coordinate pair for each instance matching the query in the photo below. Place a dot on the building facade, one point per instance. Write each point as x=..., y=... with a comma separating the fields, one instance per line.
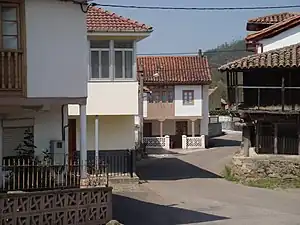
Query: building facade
x=177, y=107
x=43, y=69
x=112, y=102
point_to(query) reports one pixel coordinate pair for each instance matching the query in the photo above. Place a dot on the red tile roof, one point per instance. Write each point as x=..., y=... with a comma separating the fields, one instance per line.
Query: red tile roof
x=175, y=69
x=274, y=29
x=99, y=20
x=273, y=18
x=286, y=57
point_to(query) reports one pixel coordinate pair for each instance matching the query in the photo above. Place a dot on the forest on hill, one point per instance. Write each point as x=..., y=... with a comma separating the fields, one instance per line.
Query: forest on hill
x=220, y=55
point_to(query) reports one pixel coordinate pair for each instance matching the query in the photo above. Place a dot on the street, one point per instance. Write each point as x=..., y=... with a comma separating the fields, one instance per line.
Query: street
x=188, y=189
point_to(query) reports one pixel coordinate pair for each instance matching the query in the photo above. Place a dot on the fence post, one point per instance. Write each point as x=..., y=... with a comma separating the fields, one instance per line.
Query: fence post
x=132, y=162
x=167, y=142
x=184, y=142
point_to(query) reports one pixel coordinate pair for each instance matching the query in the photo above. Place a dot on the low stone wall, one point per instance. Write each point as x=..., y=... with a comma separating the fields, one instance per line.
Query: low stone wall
x=266, y=166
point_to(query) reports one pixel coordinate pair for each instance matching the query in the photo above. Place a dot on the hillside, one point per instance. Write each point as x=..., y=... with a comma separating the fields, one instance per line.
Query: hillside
x=222, y=54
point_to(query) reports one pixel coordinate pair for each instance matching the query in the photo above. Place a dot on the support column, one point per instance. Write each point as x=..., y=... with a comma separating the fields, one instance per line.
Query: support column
x=257, y=137
x=161, y=128
x=246, y=140
x=193, y=128
x=275, y=138
x=83, y=142
x=97, y=141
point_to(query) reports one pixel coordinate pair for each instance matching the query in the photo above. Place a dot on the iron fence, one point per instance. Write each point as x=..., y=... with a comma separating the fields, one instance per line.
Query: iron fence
x=28, y=175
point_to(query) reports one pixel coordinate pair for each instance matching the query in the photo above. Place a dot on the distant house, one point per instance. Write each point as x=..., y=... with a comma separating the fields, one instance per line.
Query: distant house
x=178, y=105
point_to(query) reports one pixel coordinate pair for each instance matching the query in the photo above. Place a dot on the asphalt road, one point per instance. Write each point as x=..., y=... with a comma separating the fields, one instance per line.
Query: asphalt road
x=187, y=189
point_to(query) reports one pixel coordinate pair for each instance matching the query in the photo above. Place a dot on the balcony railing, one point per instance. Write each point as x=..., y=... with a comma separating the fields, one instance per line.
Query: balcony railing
x=273, y=98
x=11, y=70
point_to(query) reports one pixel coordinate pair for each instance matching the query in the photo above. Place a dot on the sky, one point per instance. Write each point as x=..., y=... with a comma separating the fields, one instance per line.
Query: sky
x=188, y=31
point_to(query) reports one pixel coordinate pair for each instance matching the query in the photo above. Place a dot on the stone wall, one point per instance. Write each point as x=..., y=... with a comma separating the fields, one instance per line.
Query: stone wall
x=266, y=166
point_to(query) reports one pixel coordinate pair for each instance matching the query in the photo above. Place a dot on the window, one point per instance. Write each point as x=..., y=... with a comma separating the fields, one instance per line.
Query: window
x=170, y=96
x=188, y=97
x=123, y=51
x=9, y=26
x=99, y=59
x=106, y=53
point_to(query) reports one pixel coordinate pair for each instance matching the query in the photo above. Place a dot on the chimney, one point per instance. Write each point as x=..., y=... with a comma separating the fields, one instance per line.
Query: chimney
x=200, y=54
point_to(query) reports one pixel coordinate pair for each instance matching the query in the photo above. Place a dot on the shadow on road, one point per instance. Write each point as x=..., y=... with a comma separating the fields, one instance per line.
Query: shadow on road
x=218, y=142
x=172, y=169
x=135, y=212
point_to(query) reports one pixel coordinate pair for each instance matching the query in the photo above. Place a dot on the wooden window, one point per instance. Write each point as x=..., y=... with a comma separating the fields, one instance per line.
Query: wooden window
x=170, y=96
x=188, y=97
x=164, y=96
x=9, y=26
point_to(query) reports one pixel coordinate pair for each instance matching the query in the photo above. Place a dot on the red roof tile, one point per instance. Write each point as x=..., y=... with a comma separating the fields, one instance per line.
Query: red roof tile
x=273, y=18
x=175, y=69
x=274, y=29
x=99, y=20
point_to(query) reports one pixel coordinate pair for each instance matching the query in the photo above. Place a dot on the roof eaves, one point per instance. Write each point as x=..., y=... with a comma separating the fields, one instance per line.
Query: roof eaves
x=274, y=29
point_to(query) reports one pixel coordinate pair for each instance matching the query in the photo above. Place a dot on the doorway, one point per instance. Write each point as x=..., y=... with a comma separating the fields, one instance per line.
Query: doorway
x=72, y=141
x=181, y=128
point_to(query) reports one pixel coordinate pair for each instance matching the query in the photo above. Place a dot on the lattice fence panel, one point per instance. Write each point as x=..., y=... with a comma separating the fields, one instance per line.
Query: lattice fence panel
x=60, y=207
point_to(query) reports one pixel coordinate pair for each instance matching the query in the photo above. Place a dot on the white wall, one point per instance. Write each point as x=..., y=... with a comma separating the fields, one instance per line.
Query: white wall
x=57, y=49
x=110, y=98
x=46, y=125
x=286, y=38
x=188, y=110
x=115, y=132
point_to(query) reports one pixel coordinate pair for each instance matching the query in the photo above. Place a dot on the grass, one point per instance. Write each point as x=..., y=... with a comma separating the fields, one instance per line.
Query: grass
x=268, y=183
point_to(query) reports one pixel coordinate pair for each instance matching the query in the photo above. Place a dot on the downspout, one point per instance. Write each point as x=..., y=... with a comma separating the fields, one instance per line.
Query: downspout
x=63, y=127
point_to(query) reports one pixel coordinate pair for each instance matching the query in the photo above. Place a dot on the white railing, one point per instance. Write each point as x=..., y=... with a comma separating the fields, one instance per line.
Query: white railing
x=157, y=142
x=193, y=142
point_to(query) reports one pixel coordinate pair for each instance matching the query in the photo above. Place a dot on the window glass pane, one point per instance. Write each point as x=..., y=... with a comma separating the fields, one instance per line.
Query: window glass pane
x=150, y=98
x=128, y=64
x=164, y=96
x=170, y=96
x=10, y=42
x=156, y=96
x=99, y=44
x=9, y=28
x=123, y=44
x=118, y=64
x=104, y=64
x=9, y=13
x=95, y=64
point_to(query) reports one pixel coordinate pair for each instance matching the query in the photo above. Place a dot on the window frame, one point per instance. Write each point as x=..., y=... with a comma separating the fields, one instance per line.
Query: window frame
x=99, y=50
x=112, y=64
x=18, y=24
x=123, y=50
x=188, y=101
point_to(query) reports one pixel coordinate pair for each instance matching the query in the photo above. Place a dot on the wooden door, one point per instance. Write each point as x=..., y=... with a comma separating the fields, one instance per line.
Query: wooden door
x=72, y=140
x=147, y=129
x=181, y=129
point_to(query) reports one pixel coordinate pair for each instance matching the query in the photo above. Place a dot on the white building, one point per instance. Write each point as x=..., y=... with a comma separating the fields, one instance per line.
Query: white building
x=43, y=68
x=273, y=31
x=176, y=111
x=112, y=102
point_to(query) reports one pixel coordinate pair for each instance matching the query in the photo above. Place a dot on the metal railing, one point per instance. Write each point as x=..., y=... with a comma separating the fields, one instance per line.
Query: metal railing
x=28, y=175
x=282, y=145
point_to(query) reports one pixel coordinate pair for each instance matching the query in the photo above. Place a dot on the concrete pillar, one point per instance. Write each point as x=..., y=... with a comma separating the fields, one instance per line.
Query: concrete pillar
x=83, y=141
x=161, y=128
x=97, y=141
x=275, y=138
x=193, y=128
x=246, y=140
